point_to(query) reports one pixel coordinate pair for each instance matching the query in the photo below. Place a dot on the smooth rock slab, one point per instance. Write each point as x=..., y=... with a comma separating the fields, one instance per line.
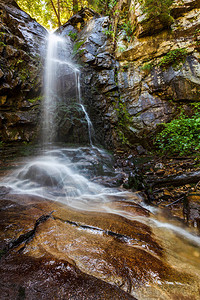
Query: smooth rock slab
x=77, y=254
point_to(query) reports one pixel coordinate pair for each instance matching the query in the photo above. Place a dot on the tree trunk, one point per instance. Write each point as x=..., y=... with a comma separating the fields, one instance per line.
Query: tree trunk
x=75, y=6
x=56, y=12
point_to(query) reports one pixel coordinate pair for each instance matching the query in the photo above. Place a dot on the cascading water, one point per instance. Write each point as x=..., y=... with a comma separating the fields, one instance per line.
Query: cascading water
x=70, y=176
x=89, y=123
x=58, y=65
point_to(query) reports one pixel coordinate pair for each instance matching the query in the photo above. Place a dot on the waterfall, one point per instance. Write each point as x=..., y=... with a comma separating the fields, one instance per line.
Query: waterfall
x=58, y=65
x=89, y=123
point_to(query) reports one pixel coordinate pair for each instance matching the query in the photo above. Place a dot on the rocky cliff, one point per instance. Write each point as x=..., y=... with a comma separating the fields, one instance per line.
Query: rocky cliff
x=136, y=73
x=22, y=46
x=133, y=81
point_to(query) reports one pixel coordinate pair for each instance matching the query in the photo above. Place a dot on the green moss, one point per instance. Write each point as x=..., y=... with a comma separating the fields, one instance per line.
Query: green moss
x=124, y=120
x=158, y=10
x=72, y=35
x=173, y=58
x=147, y=67
x=77, y=47
x=20, y=61
x=34, y=100
x=2, y=44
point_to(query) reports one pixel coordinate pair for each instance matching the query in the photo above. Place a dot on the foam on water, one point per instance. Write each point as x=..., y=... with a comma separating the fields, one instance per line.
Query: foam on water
x=55, y=176
x=178, y=230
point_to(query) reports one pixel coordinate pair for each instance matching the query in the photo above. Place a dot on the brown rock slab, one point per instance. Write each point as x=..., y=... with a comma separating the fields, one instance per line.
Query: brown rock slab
x=76, y=254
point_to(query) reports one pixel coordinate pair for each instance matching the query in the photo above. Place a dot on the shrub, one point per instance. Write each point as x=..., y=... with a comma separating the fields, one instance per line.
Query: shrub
x=173, y=58
x=180, y=136
x=72, y=35
x=76, y=47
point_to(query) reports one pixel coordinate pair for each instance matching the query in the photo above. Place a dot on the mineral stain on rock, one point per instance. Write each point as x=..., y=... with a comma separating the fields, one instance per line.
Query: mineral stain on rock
x=82, y=254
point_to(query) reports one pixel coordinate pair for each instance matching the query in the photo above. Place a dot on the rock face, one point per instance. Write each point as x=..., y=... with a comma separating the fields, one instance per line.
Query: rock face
x=128, y=87
x=22, y=46
x=106, y=255
x=97, y=64
x=130, y=83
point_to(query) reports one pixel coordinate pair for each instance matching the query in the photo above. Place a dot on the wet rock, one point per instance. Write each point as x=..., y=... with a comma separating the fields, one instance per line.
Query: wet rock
x=192, y=210
x=22, y=66
x=42, y=176
x=102, y=254
x=47, y=275
x=140, y=150
x=4, y=190
x=160, y=172
x=149, y=96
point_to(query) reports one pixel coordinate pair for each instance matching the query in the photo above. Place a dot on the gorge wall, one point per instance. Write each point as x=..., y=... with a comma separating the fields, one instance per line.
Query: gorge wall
x=136, y=82
x=22, y=48
x=130, y=83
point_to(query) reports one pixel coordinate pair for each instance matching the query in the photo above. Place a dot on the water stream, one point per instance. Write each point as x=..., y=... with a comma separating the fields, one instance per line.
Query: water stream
x=58, y=63
x=70, y=176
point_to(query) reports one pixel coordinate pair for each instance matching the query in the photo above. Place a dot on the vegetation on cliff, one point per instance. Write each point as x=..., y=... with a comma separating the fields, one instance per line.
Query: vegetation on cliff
x=181, y=136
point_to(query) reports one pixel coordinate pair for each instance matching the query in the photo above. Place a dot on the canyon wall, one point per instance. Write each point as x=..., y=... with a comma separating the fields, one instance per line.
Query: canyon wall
x=22, y=48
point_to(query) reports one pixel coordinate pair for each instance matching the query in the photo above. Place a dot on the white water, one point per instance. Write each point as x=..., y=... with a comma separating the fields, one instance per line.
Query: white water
x=56, y=175
x=49, y=107
x=57, y=61
x=89, y=123
x=178, y=230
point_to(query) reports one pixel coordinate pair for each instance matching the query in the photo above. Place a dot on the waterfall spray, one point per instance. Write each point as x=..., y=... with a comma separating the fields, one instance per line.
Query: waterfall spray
x=58, y=60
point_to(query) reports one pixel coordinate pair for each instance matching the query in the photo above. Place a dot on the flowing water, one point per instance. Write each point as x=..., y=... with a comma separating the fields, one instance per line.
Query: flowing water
x=108, y=232
x=89, y=123
x=58, y=64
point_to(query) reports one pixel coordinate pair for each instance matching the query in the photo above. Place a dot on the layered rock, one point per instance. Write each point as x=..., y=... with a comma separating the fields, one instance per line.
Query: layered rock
x=127, y=86
x=75, y=254
x=22, y=49
x=129, y=90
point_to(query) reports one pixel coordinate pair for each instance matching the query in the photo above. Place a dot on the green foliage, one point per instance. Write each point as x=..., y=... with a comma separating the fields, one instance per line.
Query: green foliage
x=77, y=47
x=50, y=13
x=129, y=29
x=121, y=49
x=19, y=62
x=105, y=7
x=173, y=58
x=2, y=44
x=196, y=39
x=112, y=4
x=72, y=35
x=181, y=136
x=122, y=137
x=147, y=67
x=109, y=32
x=124, y=120
x=158, y=9
x=123, y=115
x=34, y=100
